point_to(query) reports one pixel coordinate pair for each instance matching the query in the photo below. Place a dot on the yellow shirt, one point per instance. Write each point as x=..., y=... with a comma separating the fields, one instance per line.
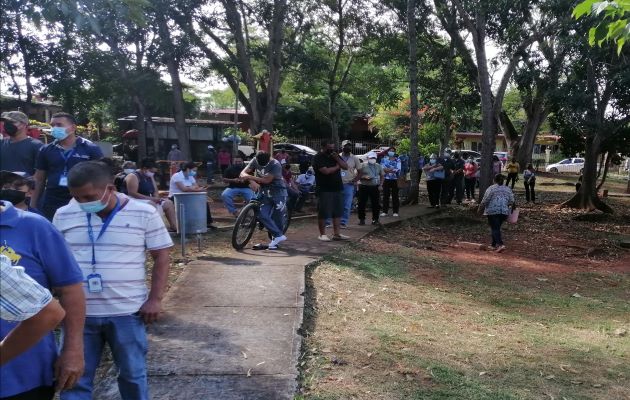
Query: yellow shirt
x=512, y=168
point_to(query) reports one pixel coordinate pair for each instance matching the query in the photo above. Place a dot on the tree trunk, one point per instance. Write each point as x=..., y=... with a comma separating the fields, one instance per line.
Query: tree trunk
x=178, y=109
x=179, y=112
x=488, y=117
x=26, y=56
x=586, y=198
x=334, y=126
x=141, y=127
x=413, y=196
x=605, y=174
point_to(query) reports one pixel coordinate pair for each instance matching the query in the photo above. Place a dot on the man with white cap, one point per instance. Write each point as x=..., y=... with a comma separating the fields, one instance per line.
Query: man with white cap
x=371, y=176
x=18, y=152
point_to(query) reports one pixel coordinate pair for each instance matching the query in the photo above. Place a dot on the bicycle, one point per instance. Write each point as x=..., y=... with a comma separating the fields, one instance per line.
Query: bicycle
x=248, y=219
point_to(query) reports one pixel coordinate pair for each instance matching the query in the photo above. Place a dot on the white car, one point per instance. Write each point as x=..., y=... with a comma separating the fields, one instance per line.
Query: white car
x=574, y=165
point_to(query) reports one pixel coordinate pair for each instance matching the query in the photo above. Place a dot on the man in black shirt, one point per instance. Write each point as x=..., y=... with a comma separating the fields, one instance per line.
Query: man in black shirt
x=328, y=165
x=236, y=186
x=456, y=188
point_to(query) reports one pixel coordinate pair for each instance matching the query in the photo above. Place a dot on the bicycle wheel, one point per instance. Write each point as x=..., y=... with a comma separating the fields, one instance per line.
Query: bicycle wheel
x=244, y=226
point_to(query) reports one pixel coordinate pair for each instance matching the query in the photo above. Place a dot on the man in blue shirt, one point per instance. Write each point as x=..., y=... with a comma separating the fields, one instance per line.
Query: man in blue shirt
x=55, y=160
x=32, y=242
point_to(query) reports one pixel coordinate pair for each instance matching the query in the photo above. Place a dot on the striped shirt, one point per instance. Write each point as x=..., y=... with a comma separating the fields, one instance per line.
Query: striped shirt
x=20, y=296
x=120, y=253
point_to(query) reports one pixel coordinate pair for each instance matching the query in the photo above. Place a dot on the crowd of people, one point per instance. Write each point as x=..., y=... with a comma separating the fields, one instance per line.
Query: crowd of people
x=65, y=199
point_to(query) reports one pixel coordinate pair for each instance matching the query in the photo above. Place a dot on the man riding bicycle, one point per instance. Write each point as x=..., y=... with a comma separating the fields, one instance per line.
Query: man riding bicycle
x=265, y=176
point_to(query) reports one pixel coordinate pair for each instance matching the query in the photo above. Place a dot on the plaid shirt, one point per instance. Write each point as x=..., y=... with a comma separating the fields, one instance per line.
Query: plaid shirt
x=20, y=296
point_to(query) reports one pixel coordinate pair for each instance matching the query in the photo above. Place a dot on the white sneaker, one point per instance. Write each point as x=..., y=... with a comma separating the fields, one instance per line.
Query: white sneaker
x=341, y=237
x=275, y=241
x=383, y=215
x=395, y=214
x=324, y=238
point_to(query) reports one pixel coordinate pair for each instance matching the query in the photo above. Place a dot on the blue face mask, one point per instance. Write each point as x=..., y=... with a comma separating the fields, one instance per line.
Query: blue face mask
x=94, y=206
x=59, y=132
x=432, y=161
x=192, y=173
x=391, y=153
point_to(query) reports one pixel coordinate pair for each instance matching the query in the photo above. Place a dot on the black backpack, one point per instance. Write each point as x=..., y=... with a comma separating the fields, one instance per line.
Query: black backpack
x=119, y=181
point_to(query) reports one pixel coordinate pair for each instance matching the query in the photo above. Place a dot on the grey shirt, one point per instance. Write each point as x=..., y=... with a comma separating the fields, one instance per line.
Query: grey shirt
x=374, y=171
x=20, y=156
x=277, y=186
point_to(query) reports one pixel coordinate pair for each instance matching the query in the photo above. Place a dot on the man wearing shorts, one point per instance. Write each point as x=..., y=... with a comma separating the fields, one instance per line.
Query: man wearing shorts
x=329, y=186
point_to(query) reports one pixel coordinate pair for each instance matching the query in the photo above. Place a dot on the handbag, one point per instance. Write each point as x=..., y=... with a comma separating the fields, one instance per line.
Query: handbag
x=513, y=217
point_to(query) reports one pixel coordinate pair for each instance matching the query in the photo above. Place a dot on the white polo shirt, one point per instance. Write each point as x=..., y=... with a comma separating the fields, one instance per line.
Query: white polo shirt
x=179, y=177
x=120, y=253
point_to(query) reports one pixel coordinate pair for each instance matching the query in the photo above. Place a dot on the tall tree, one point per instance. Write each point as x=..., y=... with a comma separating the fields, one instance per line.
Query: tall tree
x=511, y=23
x=412, y=37
x=594, y=102
x=536, y=79
x=248, y=43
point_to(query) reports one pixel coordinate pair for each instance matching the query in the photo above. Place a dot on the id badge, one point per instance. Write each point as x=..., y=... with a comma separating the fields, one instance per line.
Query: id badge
x=343, y=173
x=63, y=180
x=94, y=283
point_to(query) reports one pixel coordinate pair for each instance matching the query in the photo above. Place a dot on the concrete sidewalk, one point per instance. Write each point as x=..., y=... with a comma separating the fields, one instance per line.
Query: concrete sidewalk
x=230, y=329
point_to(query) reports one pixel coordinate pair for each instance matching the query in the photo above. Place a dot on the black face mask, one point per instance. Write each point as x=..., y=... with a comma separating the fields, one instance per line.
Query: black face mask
x=13, y=196
x=346, y=150
x=330, y=151
x=10, y=128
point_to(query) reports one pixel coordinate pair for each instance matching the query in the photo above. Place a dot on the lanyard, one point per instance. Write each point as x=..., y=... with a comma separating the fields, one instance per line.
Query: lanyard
x=66, y=158
x=106, y=223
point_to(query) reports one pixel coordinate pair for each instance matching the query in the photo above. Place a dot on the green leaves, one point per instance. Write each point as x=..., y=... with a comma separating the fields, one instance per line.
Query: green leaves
x=614, y=21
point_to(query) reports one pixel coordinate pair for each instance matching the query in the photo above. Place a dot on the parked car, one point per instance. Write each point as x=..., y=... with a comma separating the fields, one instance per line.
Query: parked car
x=575, y=165
x=380, y=153
x=466, y=154
x=293, y=149
x=246, y=152
x=503, y=156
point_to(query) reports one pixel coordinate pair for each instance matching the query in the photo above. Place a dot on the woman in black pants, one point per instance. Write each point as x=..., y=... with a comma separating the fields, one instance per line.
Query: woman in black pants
x=370, y=178
x=529, y=180
x=434, y=176
x=391, y=167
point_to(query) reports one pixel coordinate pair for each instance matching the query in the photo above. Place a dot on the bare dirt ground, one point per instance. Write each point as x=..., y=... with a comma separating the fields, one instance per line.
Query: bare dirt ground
x=414, y=312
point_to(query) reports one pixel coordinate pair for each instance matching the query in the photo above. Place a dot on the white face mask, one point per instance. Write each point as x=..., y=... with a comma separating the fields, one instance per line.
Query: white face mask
x=372, y=160
x=128, y=170
x=149, y=174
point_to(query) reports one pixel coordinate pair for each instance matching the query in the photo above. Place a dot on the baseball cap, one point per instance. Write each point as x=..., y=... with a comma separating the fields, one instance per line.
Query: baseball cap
x=372, y=155
x=210, y=146
x=15, y=116
x=345, y=142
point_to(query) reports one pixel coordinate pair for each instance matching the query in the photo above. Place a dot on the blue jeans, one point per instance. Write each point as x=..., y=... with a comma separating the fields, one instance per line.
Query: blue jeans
x=348, y=196
x=272, y=213
x=229, y=194
x=127, y=338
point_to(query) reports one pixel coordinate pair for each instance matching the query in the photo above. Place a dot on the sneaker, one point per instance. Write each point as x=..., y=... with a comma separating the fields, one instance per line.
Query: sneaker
x=395, y=214
x=383, y=214
x=328, y=226
x=375, y=222
x=340, y=237
x=343, y=226
x=275, y=241
x=361, y=222
x=500, y=249
x=324, y=238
